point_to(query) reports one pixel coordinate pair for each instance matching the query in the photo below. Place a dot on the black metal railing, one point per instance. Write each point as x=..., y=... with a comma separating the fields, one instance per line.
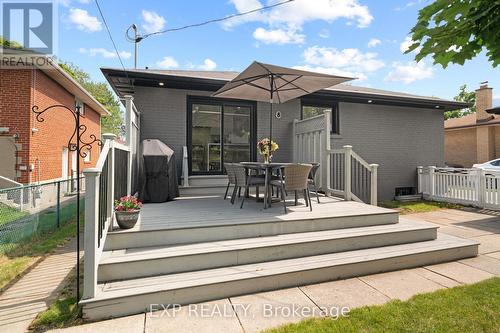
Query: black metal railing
x=121, y=164
x=103, y=200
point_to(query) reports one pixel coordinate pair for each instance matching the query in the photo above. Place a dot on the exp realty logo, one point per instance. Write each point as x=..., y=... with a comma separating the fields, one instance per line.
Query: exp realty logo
x=32, y=24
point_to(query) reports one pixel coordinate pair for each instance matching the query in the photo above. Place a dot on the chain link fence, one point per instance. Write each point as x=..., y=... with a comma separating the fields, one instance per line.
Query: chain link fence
x=31, y=210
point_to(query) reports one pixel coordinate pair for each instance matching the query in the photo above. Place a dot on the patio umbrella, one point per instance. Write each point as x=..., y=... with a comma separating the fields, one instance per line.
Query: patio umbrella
x=275, y=84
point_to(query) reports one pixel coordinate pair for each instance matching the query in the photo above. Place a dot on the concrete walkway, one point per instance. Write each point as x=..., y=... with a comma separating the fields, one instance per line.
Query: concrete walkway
x=253, y=313
x=21, y=303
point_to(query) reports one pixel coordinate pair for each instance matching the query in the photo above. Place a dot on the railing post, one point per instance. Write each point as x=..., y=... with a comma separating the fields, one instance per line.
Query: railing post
x=325, y=154
x=91, y=232
x=419, y=178
x=129, y=109
x=432, y=181
x=373, y=184
x=111, y=176
x=347, y=172
x=185, y=167
x=294, y=140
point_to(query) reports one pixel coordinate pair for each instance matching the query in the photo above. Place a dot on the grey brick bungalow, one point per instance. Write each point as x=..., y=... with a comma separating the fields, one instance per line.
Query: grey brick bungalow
x=396, y=130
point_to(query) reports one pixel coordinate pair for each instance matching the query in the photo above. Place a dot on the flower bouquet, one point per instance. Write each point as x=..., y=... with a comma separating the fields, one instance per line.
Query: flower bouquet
x=266, y=150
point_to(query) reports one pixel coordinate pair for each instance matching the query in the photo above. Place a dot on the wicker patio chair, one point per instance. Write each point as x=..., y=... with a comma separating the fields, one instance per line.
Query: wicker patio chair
x=294, y=177
x=312, y=176
x=245, y=180
x=230, y=176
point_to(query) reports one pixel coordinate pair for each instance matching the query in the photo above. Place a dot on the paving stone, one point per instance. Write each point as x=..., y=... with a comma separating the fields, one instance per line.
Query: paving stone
x=485, y=263
x=462, y=231
x=460, y=272
x=216, y=316
x=270, y=309
x=442, y=280
x=401, y=284
x=489, y=243
x=351, y=293
x=130, y=324
x=494, y=254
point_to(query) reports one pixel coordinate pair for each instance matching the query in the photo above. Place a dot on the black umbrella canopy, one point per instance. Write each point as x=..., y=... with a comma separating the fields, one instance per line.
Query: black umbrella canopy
x=276, y=84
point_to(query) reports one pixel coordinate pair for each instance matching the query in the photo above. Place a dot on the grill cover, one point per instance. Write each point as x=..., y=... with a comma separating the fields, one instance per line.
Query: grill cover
x=159, y=175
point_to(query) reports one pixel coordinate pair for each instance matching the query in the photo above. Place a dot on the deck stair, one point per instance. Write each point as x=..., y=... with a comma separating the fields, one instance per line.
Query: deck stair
x=186, y=263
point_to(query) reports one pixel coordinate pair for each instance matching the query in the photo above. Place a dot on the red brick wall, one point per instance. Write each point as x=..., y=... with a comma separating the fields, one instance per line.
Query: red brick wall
x=53, y=134
x=15, y=104
x=19, y=91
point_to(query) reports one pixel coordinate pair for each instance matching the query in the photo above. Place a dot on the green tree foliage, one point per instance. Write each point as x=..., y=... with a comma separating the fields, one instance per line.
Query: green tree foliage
x=458, y=30
x=102, y=93
x=10, y=44
x=463, y=96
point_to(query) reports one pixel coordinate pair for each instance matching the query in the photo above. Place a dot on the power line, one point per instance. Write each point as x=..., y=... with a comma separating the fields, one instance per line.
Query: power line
x=112, y=40
x=209, y=21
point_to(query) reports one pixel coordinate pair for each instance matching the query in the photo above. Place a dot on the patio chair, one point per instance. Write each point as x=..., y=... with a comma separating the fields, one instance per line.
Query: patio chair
x=245, y=180
x=312, y=176
x=230, y=176
x=294, y=177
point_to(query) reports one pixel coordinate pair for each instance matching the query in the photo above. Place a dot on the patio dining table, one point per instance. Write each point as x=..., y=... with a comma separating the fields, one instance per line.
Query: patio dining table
x=268, y=169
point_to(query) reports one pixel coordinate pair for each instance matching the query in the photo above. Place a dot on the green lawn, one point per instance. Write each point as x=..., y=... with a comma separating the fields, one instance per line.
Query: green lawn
x=423, y=206
x=9, y=214
x=15, y=258
x=472, y=308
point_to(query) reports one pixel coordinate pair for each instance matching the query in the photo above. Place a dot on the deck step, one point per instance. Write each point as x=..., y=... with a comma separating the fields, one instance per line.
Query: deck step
x=248, y=226
x=150, y=261
x=136, y=295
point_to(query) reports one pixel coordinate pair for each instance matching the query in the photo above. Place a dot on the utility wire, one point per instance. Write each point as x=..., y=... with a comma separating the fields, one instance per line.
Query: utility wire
x=112, y=40
x=213, y=20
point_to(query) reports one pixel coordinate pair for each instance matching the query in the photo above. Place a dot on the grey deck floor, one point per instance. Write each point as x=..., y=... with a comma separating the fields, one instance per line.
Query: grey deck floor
x=213, y=210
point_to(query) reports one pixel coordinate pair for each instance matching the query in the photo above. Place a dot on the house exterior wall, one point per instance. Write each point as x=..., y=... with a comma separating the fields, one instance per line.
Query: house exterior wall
x=460, y=147
x=20, y=90
x=397, y=138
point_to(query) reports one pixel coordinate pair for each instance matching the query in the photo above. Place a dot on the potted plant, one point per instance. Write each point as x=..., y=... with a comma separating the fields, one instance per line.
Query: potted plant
x=267, y=150
x=127, y=211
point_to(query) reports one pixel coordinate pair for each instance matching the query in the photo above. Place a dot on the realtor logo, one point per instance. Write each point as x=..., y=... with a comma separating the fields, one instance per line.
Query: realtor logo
x=30, y=24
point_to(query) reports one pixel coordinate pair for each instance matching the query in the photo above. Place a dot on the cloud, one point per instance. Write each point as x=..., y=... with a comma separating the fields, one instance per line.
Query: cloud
x=324, y=33
x=347, y=62
x=289, y=18
x=84, y=21
x=496, y=100
x=406, y=43
x=374, y=42
x=167, y=63
x=409, y=72
x=104, y=53
x=152, y=21
x=208, y=65
x=278, y=36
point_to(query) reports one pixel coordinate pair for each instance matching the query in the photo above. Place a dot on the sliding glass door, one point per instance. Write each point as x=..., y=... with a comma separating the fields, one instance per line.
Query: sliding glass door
x=220, y=132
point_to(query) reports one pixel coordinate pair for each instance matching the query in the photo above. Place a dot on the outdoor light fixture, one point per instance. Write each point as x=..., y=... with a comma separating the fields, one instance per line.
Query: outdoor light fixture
x=370, y=101
x=437, y=106
x=161, y=84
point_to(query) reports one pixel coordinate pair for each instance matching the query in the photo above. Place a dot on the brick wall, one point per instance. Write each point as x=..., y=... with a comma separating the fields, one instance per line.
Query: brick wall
x=460, y=147
x=19, y=91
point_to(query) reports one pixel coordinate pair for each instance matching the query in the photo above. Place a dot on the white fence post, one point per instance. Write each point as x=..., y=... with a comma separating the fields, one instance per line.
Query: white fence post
x=373, y=184
x=111, y=176
x=481, y=187
x=347, y=172
x=91, y=232
x=325, y=153
x=129, y=100
x=295, y=141
x=419, y=178
x=432, y=181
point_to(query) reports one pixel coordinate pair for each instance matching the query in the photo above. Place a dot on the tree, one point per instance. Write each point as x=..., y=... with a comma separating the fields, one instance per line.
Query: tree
x=456, y=31
x=102, y=93
x=463, y=96
x=10, y=44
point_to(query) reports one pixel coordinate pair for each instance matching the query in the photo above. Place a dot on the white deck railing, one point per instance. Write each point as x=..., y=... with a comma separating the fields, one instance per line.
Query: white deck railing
x=473, y=187
x=342, y=171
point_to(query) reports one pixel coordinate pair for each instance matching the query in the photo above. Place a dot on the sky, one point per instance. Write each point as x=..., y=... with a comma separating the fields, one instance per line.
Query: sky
x=357, y=38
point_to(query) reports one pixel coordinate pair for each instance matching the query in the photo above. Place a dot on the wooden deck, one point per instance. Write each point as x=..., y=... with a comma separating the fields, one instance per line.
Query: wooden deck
x=203, y=211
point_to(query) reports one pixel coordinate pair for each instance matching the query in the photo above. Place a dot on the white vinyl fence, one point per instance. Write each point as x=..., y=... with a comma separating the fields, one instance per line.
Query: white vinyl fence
x=473, y=187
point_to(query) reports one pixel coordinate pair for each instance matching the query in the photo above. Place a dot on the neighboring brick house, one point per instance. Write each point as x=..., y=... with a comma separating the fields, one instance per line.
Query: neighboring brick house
x=33, y=151
x=474, y=138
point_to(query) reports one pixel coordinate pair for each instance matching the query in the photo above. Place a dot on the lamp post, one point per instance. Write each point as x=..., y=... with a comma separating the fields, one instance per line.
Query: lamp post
x=80, y=147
